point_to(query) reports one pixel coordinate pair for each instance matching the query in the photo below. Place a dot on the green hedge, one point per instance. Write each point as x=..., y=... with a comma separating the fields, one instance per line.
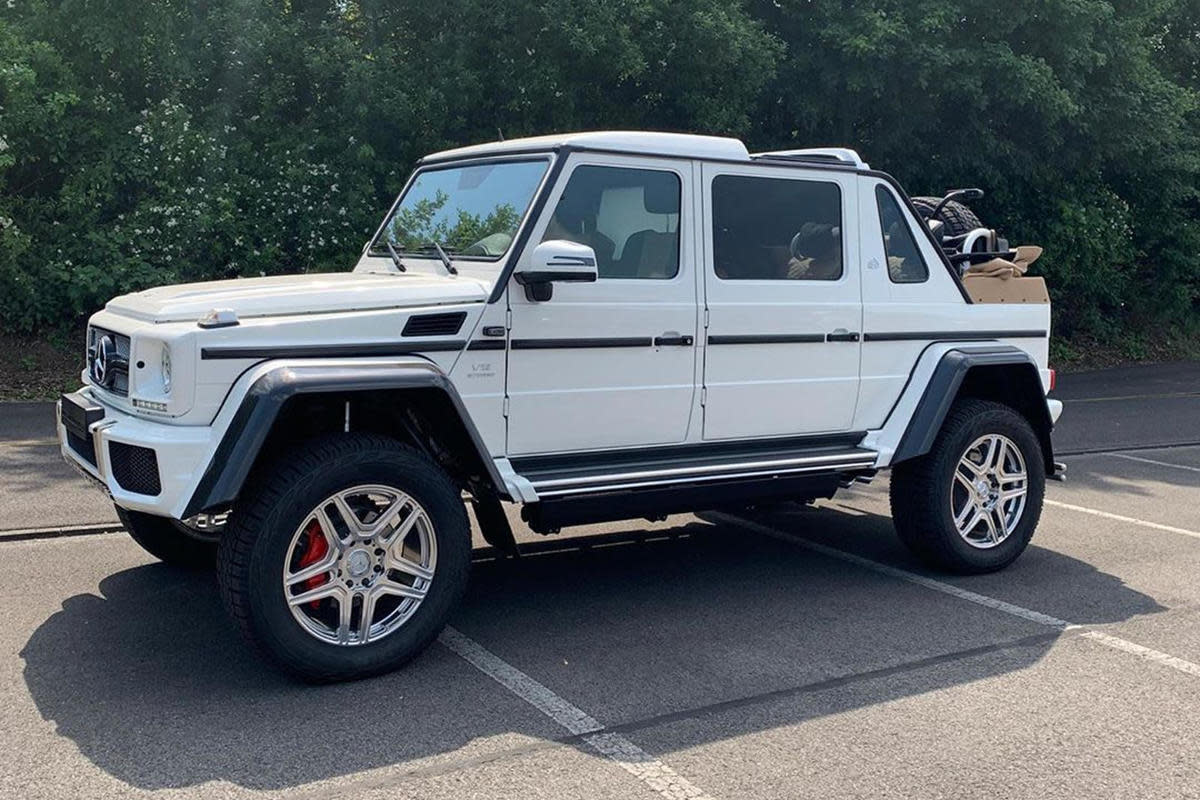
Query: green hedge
x=154, y=141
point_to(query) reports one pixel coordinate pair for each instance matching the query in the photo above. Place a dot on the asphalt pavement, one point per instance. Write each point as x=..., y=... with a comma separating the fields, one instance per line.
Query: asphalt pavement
x=788, y=652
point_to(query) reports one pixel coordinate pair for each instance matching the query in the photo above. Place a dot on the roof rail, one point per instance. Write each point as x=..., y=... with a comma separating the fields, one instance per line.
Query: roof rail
x=841, y=155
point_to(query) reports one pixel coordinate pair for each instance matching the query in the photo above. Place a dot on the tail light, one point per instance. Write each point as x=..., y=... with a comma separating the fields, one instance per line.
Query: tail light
x=1053, y=379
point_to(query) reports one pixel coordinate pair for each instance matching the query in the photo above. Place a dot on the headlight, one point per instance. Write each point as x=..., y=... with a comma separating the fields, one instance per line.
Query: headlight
x=166, y=369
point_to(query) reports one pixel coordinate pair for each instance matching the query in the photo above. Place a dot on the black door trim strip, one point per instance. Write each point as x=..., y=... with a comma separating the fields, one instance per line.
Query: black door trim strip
x=951, y=336
x=486, y=344
x=568, y=344
x=767, y=338
x=353, y=350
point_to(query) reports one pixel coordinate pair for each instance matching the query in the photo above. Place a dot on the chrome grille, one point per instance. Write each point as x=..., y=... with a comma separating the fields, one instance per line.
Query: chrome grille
x=108, y=360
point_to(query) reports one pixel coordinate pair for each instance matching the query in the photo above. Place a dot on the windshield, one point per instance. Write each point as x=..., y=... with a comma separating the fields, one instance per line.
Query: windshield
x=472, y=211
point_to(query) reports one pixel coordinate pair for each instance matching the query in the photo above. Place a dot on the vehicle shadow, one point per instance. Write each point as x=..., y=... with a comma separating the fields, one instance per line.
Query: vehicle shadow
x=1115, y=476
x=152, y=684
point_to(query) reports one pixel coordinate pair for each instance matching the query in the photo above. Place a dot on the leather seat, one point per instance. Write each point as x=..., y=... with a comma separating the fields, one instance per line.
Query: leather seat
x=649, y=254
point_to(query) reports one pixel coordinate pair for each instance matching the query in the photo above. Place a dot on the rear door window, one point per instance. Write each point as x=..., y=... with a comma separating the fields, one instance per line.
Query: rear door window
x=776, y=229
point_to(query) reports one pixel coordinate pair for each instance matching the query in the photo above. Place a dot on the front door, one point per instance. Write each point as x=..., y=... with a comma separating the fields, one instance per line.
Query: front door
x=782, y=287
x=613, y=363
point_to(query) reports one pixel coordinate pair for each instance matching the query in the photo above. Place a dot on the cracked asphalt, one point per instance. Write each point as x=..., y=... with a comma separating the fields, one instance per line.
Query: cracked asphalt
x=789, y=652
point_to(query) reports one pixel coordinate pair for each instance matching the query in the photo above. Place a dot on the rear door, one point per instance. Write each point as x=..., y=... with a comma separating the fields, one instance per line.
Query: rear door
x=783, y=301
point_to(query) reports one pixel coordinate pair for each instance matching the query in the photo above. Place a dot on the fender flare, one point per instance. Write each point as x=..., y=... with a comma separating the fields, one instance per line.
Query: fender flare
x=943, y=388
x=247, y=431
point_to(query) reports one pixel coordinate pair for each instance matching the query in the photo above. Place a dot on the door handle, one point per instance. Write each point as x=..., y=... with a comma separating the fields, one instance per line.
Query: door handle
x=842, y=335
x=673, y=339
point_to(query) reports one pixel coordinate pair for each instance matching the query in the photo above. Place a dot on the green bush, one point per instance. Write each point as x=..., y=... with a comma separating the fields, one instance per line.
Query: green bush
x=153, y=141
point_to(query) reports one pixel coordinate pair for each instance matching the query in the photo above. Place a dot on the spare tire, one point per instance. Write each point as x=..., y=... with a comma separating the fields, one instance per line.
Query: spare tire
x=957, y=218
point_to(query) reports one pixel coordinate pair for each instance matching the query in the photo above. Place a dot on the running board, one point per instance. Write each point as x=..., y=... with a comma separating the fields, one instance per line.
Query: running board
x=656, y=502
x=582, y=488
x=689, y=467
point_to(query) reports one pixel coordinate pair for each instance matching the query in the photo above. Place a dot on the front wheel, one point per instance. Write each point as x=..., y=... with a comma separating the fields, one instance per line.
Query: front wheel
x=971, y=504
x=347, y=558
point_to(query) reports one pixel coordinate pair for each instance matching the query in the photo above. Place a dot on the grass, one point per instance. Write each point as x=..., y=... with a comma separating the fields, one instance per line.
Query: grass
x=39, y=368
x=1085, y=353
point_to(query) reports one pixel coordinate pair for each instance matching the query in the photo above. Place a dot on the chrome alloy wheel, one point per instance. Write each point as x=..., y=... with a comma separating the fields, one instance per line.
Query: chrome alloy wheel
x=987, y=496
x=360, y=565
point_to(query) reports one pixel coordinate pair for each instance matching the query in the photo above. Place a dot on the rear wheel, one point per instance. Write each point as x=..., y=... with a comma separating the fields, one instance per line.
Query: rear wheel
x=172, y=541
x=971, y=504
x=347, y=558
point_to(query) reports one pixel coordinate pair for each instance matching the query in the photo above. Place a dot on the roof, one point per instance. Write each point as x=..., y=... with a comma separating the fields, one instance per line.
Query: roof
x=669, y=144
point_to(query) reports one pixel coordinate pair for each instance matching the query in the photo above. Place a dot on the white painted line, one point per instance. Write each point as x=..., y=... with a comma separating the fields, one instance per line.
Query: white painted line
x=1138, y=650
x=904, y=575
x=1118, y=518
x=1117, y=643
x=1152, y=461
x=614, y=746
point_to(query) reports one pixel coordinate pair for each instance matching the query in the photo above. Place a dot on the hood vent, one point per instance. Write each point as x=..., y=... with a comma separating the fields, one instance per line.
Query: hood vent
x=434, y=324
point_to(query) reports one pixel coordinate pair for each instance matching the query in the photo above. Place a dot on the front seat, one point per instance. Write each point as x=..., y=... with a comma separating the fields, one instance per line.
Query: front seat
x=650, y=254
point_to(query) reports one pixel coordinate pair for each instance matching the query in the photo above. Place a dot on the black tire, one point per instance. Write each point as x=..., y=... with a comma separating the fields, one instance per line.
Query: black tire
x=921, y=487
x=255, y=549
x=956, y=217
x=168, y=540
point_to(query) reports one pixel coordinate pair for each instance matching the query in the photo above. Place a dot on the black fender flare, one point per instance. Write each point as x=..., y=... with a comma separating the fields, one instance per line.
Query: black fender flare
x=246, y=433
x=1022, y=389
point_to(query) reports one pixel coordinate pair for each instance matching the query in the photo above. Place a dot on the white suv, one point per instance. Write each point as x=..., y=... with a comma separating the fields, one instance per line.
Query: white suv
x=594, y=326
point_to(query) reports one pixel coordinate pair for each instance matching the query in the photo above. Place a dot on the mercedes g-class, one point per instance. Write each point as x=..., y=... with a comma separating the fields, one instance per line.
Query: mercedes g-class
x=591, y=326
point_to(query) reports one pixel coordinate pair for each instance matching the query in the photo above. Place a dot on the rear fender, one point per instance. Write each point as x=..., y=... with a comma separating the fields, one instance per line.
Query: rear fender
x=1004, y=374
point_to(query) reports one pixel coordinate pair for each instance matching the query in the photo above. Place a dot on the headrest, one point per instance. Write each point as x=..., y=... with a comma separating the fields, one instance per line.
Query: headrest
x=661, y=195
x=814, y=238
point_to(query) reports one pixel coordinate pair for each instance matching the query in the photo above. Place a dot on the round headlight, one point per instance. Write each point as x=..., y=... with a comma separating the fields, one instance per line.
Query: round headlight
x=166, y=369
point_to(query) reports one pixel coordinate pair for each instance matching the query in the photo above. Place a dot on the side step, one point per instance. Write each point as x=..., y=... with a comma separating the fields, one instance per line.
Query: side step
x=598, y=487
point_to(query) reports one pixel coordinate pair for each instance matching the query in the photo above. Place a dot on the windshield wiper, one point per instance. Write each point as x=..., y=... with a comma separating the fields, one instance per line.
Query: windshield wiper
x=445, y=258
x=395, y=256
x=390, y=251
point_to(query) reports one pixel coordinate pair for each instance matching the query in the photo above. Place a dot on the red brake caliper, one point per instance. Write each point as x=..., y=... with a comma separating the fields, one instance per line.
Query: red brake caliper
x=315, y=549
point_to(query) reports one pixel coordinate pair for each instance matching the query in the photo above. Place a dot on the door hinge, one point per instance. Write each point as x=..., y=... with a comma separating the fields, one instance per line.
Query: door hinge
x=703, y=395
x=706, y=316
x=508, y=318
x=504, y=406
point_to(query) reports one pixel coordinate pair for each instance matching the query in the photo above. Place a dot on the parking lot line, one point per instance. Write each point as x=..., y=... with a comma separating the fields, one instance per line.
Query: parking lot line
x=1153, y=461
x=1127, y=397
x=1138, y=650
x=1118, y=518
x=1108, y=640
x=614, y=746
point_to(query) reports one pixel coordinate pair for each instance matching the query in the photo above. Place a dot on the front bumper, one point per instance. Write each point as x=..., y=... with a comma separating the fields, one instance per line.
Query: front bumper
x=180, y=455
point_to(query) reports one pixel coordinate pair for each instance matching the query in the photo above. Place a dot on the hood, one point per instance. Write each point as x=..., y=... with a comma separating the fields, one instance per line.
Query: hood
x=298, y=294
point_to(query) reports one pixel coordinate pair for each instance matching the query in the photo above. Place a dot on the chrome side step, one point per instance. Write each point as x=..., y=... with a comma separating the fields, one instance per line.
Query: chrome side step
x=748, y=466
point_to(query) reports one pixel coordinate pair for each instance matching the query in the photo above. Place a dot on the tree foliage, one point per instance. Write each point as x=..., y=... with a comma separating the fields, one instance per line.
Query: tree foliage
x=153, y=141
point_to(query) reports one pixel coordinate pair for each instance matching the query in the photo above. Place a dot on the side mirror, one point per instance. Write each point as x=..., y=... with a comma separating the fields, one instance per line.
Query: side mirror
x=556, y=261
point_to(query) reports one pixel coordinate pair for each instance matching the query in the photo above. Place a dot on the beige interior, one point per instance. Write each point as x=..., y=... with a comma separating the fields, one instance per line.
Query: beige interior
x=986, y=289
